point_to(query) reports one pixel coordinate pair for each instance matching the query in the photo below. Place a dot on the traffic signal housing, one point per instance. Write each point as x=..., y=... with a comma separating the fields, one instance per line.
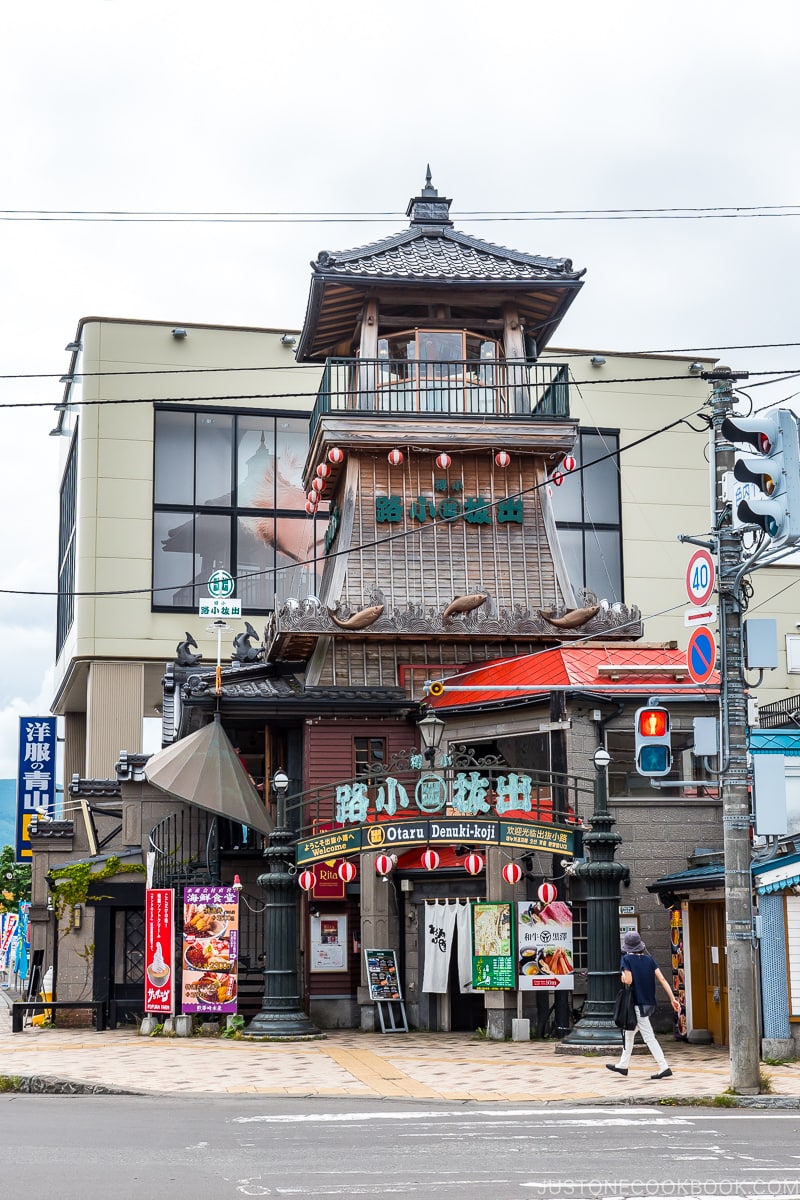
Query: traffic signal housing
x=653, y=742
x=775, y=471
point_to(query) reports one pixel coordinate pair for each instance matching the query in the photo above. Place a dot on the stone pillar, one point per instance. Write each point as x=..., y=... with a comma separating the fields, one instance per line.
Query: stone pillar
x=379, y=927
x=501, y=1007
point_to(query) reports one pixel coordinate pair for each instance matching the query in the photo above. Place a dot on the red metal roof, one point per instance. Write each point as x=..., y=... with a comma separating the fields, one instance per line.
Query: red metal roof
x=618, y=670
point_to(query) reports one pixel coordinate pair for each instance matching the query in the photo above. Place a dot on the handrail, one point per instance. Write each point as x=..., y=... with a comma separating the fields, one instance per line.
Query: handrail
x=465, y=387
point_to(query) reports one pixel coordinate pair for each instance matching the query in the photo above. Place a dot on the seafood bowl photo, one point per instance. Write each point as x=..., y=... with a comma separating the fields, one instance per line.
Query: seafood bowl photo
x=213, y=989
x=205, y=920
x=207, y=954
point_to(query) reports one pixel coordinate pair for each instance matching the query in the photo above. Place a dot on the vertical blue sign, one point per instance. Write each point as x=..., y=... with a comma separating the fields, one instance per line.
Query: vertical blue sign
x=36, y=776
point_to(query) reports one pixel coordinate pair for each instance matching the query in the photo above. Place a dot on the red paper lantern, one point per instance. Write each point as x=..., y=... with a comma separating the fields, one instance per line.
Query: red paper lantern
x=473, y=864
x=306, y=879
x=310, y=508
x=558, y=478
x=430, y=860
x=346, y=871
x=384, y=864
x=318, y=485
x=569, y=463
x=395, y=457
x=313, y=498
x=323, y=470
x=512, y=872
x=335, y=455
x=502, y=458
x=546, y=893
x=443, y=461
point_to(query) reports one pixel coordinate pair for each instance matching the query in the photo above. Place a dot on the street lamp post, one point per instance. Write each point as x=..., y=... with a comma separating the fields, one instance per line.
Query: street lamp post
x=281, y=1015
x=602, y=875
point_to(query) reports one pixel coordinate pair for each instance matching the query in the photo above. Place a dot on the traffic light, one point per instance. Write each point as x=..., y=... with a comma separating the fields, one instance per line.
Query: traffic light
x=775, y=472
x=653, y=742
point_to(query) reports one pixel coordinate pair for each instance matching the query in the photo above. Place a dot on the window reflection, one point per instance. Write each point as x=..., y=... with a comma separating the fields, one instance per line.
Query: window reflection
x=229, y=494
x=588, y=514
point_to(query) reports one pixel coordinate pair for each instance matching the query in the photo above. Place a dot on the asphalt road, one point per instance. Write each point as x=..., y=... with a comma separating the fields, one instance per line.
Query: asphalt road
x=87, y=1148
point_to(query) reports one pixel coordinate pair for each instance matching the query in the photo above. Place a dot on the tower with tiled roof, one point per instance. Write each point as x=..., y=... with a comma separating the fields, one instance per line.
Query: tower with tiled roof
x=435, y=435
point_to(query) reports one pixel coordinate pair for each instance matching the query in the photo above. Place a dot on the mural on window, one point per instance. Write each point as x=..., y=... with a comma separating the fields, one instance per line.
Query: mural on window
x=588, y=515
x=229, y=494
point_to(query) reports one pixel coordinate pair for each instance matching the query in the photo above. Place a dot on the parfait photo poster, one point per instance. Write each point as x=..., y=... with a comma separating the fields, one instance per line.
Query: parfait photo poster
x=210, y=949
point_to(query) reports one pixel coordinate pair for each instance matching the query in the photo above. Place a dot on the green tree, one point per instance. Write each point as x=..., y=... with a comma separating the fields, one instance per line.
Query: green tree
x=15, y=881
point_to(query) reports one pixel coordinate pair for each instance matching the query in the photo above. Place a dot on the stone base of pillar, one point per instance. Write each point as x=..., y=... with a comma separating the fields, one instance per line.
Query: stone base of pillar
x=783, y=1048
x=592, y=1035
x=284, y=1025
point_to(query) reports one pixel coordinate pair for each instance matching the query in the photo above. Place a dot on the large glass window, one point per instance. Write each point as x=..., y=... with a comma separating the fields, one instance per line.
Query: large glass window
x=228, y=494
x=65, y=609
x=588, y=514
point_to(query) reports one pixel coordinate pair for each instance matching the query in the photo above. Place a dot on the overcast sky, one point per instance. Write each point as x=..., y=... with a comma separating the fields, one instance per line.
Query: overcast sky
x=329, y=108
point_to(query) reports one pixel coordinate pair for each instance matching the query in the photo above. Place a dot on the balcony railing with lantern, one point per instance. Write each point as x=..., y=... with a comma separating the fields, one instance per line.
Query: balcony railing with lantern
x=465, y=388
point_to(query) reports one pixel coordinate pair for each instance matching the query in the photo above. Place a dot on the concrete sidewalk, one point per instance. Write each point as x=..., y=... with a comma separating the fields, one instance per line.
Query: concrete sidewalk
x=412, y=1066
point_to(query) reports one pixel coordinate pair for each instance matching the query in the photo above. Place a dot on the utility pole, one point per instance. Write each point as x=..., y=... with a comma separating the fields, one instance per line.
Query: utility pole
x=742, y=1020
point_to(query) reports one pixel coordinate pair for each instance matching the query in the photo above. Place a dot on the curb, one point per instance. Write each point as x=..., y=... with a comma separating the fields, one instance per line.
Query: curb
x=51, y=1085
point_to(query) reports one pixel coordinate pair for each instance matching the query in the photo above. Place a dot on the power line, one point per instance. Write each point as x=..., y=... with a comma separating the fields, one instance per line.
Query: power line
x=780, y=375
x=161, y=216
x=425, y=527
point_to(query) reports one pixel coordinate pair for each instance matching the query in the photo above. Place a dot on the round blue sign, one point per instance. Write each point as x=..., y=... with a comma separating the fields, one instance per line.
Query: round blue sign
x=701, y=655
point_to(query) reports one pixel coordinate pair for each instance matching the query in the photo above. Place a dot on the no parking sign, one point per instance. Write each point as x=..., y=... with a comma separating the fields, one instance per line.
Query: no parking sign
x=701, y=655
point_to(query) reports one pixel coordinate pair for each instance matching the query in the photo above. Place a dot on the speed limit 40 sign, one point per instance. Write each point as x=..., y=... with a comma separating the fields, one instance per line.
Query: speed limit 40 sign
x=700, y=577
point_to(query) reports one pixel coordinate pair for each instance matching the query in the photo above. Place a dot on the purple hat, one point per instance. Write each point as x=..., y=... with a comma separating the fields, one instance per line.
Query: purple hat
x=633, y=944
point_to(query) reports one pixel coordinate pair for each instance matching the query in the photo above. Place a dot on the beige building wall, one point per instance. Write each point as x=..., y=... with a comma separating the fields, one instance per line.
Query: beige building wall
x=127, y=365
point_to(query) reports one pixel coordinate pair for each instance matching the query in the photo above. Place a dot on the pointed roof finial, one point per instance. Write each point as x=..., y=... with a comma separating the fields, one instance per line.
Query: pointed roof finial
x=429, y=208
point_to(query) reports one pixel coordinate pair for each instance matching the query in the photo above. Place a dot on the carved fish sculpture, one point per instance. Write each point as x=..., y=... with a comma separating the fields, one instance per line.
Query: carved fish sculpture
x=573, y=619
x=464, y=604
x=359, y=620
x=183, y=652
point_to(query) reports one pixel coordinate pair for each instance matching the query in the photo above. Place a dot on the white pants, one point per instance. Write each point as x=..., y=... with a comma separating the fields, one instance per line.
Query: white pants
x=643, y=1027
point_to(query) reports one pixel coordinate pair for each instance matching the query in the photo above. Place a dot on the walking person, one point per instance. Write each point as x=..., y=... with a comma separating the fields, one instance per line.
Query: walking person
x=640, y=971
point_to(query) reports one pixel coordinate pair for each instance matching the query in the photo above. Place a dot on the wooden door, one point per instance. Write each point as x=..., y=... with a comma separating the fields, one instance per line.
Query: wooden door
x=715, y=970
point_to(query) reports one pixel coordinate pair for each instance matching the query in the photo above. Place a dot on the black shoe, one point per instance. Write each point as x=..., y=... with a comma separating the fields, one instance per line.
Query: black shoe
x=662, y=1074
x=619, y=1070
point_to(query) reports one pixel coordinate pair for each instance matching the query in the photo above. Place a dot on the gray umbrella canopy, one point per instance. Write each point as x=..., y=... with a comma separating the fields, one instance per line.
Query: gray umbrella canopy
x=204, y=769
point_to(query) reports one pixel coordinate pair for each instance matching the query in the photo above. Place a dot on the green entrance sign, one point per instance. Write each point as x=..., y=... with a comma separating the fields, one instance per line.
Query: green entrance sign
x=529, y=835
x=402, y=835
x=220, y=585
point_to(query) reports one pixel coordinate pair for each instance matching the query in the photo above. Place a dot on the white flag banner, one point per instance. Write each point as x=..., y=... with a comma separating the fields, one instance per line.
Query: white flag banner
x=464, y=928
x=440, y=923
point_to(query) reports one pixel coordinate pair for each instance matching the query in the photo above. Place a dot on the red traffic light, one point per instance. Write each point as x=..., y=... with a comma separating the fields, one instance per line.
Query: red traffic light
x=653, y=722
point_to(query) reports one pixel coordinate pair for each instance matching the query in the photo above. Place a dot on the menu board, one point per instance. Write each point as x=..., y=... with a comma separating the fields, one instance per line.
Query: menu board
x=382, y=975
x=493, y=966
x=210, y=949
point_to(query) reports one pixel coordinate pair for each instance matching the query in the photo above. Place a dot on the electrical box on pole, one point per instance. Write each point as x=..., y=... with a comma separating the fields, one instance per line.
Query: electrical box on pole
x=774, y=470
x=653, y=742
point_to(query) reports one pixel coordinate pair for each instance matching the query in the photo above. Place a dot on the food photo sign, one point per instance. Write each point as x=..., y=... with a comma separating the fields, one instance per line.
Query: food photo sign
x=545, y=946
x=492, y=946
x=210, y=949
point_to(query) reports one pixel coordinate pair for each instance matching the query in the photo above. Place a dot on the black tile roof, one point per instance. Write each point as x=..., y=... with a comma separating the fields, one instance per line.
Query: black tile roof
x=425, y=253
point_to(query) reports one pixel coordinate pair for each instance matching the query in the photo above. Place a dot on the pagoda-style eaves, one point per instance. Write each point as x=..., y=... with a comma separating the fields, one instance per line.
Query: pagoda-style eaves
x=432, y=261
